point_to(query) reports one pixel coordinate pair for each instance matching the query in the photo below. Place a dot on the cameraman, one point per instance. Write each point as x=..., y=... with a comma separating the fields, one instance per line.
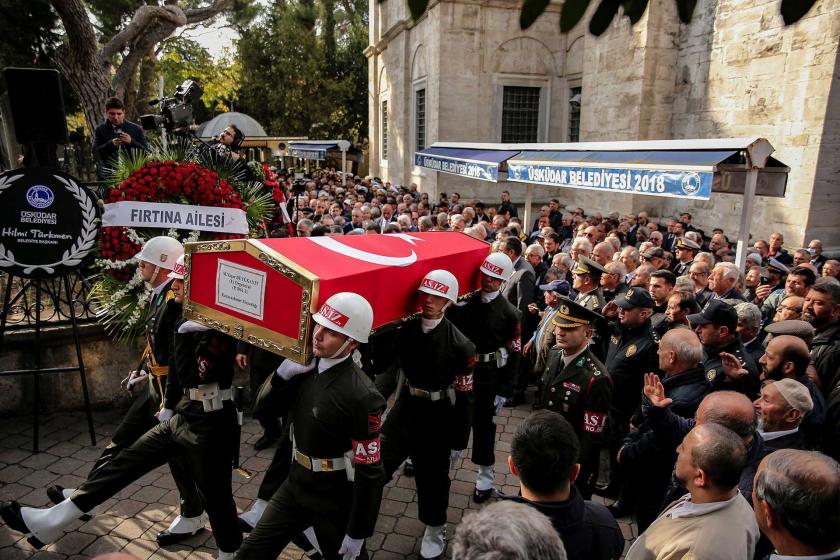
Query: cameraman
x=117, y=134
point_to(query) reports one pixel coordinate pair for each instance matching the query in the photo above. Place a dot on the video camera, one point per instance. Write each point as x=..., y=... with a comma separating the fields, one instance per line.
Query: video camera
x=176, y=112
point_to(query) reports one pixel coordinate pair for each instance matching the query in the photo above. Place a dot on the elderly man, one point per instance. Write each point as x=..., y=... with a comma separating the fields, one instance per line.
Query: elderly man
x=534, y=255
x=815, y=248
x=713, y=520
x=579, y=247
x=789, y=309
x=749, y=326
x=603, y=253
x=507, y=530
x=647, y=463
x=776, y=250
x=542, y=340
x=612, y=281
x=796, y=495
x=629, y=257
x=780, y=409
x=654, y=256
x=680, y=306
x=641, y=276
x=723, y=282
x=831, y=268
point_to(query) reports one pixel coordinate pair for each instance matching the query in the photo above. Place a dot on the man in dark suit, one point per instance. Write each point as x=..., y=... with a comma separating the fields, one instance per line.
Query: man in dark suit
x=116, y=134
x=519, y=290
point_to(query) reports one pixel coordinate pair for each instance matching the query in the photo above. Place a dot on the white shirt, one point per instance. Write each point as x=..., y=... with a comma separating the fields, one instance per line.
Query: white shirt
x=326, y=363
x=687, y=508
x=487, y=298
x=835, y=554
x=427, y=325
x=769, y=436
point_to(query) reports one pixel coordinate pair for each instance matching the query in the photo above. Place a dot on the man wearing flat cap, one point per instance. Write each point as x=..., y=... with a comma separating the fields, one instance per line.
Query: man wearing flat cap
x=716, y=326
x=686, y=249
x=576, y=385
x=781, y=407
x=655, y=256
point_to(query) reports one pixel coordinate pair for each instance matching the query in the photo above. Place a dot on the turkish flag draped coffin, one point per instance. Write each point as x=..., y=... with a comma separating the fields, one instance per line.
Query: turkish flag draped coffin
x=263, y=291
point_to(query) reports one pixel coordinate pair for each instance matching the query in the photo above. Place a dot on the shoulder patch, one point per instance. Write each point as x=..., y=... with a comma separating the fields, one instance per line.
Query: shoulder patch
x=710, y=375
x=630, y=351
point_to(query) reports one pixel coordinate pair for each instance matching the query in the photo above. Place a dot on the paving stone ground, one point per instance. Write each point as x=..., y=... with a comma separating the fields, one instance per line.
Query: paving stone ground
x=129, y=521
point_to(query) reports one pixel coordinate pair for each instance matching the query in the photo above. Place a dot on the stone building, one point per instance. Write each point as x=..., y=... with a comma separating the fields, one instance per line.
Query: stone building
x=465, y=72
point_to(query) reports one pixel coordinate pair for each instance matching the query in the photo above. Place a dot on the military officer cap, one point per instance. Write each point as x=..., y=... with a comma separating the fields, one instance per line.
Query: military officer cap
x=586, y=265
x=570, y=315
x=776, y=266
x=686, y=243
x=793, y=327
x=558, y=286
x=718, y=312
x=634, y=297
x=654, y=253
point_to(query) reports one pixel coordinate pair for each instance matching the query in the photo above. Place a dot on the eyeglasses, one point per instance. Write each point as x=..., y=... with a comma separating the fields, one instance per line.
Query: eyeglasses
x=589, y=234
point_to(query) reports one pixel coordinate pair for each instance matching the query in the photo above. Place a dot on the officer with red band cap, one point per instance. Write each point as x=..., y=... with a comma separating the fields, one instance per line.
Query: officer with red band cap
x=335, y=415
x=430, y=420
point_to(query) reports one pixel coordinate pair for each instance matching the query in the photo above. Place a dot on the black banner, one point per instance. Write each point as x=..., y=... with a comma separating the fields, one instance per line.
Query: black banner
x=48, y=223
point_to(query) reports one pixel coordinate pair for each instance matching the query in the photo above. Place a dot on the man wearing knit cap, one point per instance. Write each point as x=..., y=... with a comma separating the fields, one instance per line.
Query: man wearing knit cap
x=780, y=409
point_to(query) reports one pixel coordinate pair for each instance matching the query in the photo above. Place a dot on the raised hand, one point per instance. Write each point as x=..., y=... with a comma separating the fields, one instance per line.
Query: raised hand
x=655, y=391
x=732, y=367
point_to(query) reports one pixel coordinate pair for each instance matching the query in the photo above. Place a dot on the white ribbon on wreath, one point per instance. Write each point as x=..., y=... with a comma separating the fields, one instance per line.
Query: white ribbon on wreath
x=83, y=244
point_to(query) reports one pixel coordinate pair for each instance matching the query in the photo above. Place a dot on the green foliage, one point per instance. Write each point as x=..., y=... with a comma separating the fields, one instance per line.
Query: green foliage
x=300, y=80
x=182, y=58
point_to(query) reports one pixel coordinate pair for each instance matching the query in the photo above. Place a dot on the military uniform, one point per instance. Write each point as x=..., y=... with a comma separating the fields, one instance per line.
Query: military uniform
x=202, y=433
x=581, y=391
x=494, y=329
x=163, y=391
x=335, y=483
x=432, y=414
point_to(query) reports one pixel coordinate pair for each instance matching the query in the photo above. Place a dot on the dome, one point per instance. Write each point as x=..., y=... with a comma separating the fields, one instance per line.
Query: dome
x=249, y=127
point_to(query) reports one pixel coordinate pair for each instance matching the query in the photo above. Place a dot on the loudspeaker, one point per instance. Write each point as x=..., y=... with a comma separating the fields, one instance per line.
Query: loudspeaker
x=37, y=105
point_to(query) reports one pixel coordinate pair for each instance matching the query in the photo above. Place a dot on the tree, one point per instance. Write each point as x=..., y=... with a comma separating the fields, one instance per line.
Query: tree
x=87, y=58
x=573, y=11
x=303, y=68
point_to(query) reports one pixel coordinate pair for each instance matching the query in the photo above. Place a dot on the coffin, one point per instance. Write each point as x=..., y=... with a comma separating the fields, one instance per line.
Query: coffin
x=263, y=291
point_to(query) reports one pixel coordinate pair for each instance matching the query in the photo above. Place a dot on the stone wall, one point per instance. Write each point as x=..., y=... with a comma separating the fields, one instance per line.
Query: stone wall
x=735, y=71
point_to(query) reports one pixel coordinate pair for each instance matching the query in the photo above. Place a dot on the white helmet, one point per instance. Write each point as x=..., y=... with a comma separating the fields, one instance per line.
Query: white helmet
x=497, y=265
x=161, y=251
x=347, y=313
x=178, y=272
x=440, y=283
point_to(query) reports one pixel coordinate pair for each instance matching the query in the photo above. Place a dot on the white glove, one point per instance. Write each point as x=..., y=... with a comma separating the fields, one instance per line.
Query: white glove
x=350, y=548
x=454, y=455
x=134, y=378
x=191, y=326
x=290, y=368
x=165, y=414
x=499, y=403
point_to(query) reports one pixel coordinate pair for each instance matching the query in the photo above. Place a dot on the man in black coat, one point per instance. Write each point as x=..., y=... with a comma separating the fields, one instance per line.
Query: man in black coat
x=646, y=462
x=116, y=134
x=544, y=455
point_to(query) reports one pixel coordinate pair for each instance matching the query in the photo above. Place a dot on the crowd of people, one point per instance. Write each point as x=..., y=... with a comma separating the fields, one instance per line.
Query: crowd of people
x=712, y=390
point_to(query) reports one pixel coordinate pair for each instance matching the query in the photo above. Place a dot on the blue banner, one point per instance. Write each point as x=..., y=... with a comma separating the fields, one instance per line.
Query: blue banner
x=307, y=154
x=677, y=184
x=472, y=169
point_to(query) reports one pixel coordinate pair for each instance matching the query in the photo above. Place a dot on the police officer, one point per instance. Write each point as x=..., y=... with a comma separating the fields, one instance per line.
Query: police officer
x=430, y=420
x=155, y=403
x=201, y=432
x=716, y=327
x=492, y=323
x=576, y=385
x=631, y=354
x=335, y=415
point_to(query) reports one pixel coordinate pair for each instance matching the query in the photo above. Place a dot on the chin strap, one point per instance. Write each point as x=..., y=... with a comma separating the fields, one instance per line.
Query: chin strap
x=341, y=349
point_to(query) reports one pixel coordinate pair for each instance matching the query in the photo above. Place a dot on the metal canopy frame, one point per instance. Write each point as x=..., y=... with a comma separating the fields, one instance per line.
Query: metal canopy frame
x=738, y=172
x=343, y=145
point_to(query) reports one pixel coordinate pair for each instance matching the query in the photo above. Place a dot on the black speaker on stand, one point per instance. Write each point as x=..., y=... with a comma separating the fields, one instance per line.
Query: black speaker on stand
x=37, y=105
